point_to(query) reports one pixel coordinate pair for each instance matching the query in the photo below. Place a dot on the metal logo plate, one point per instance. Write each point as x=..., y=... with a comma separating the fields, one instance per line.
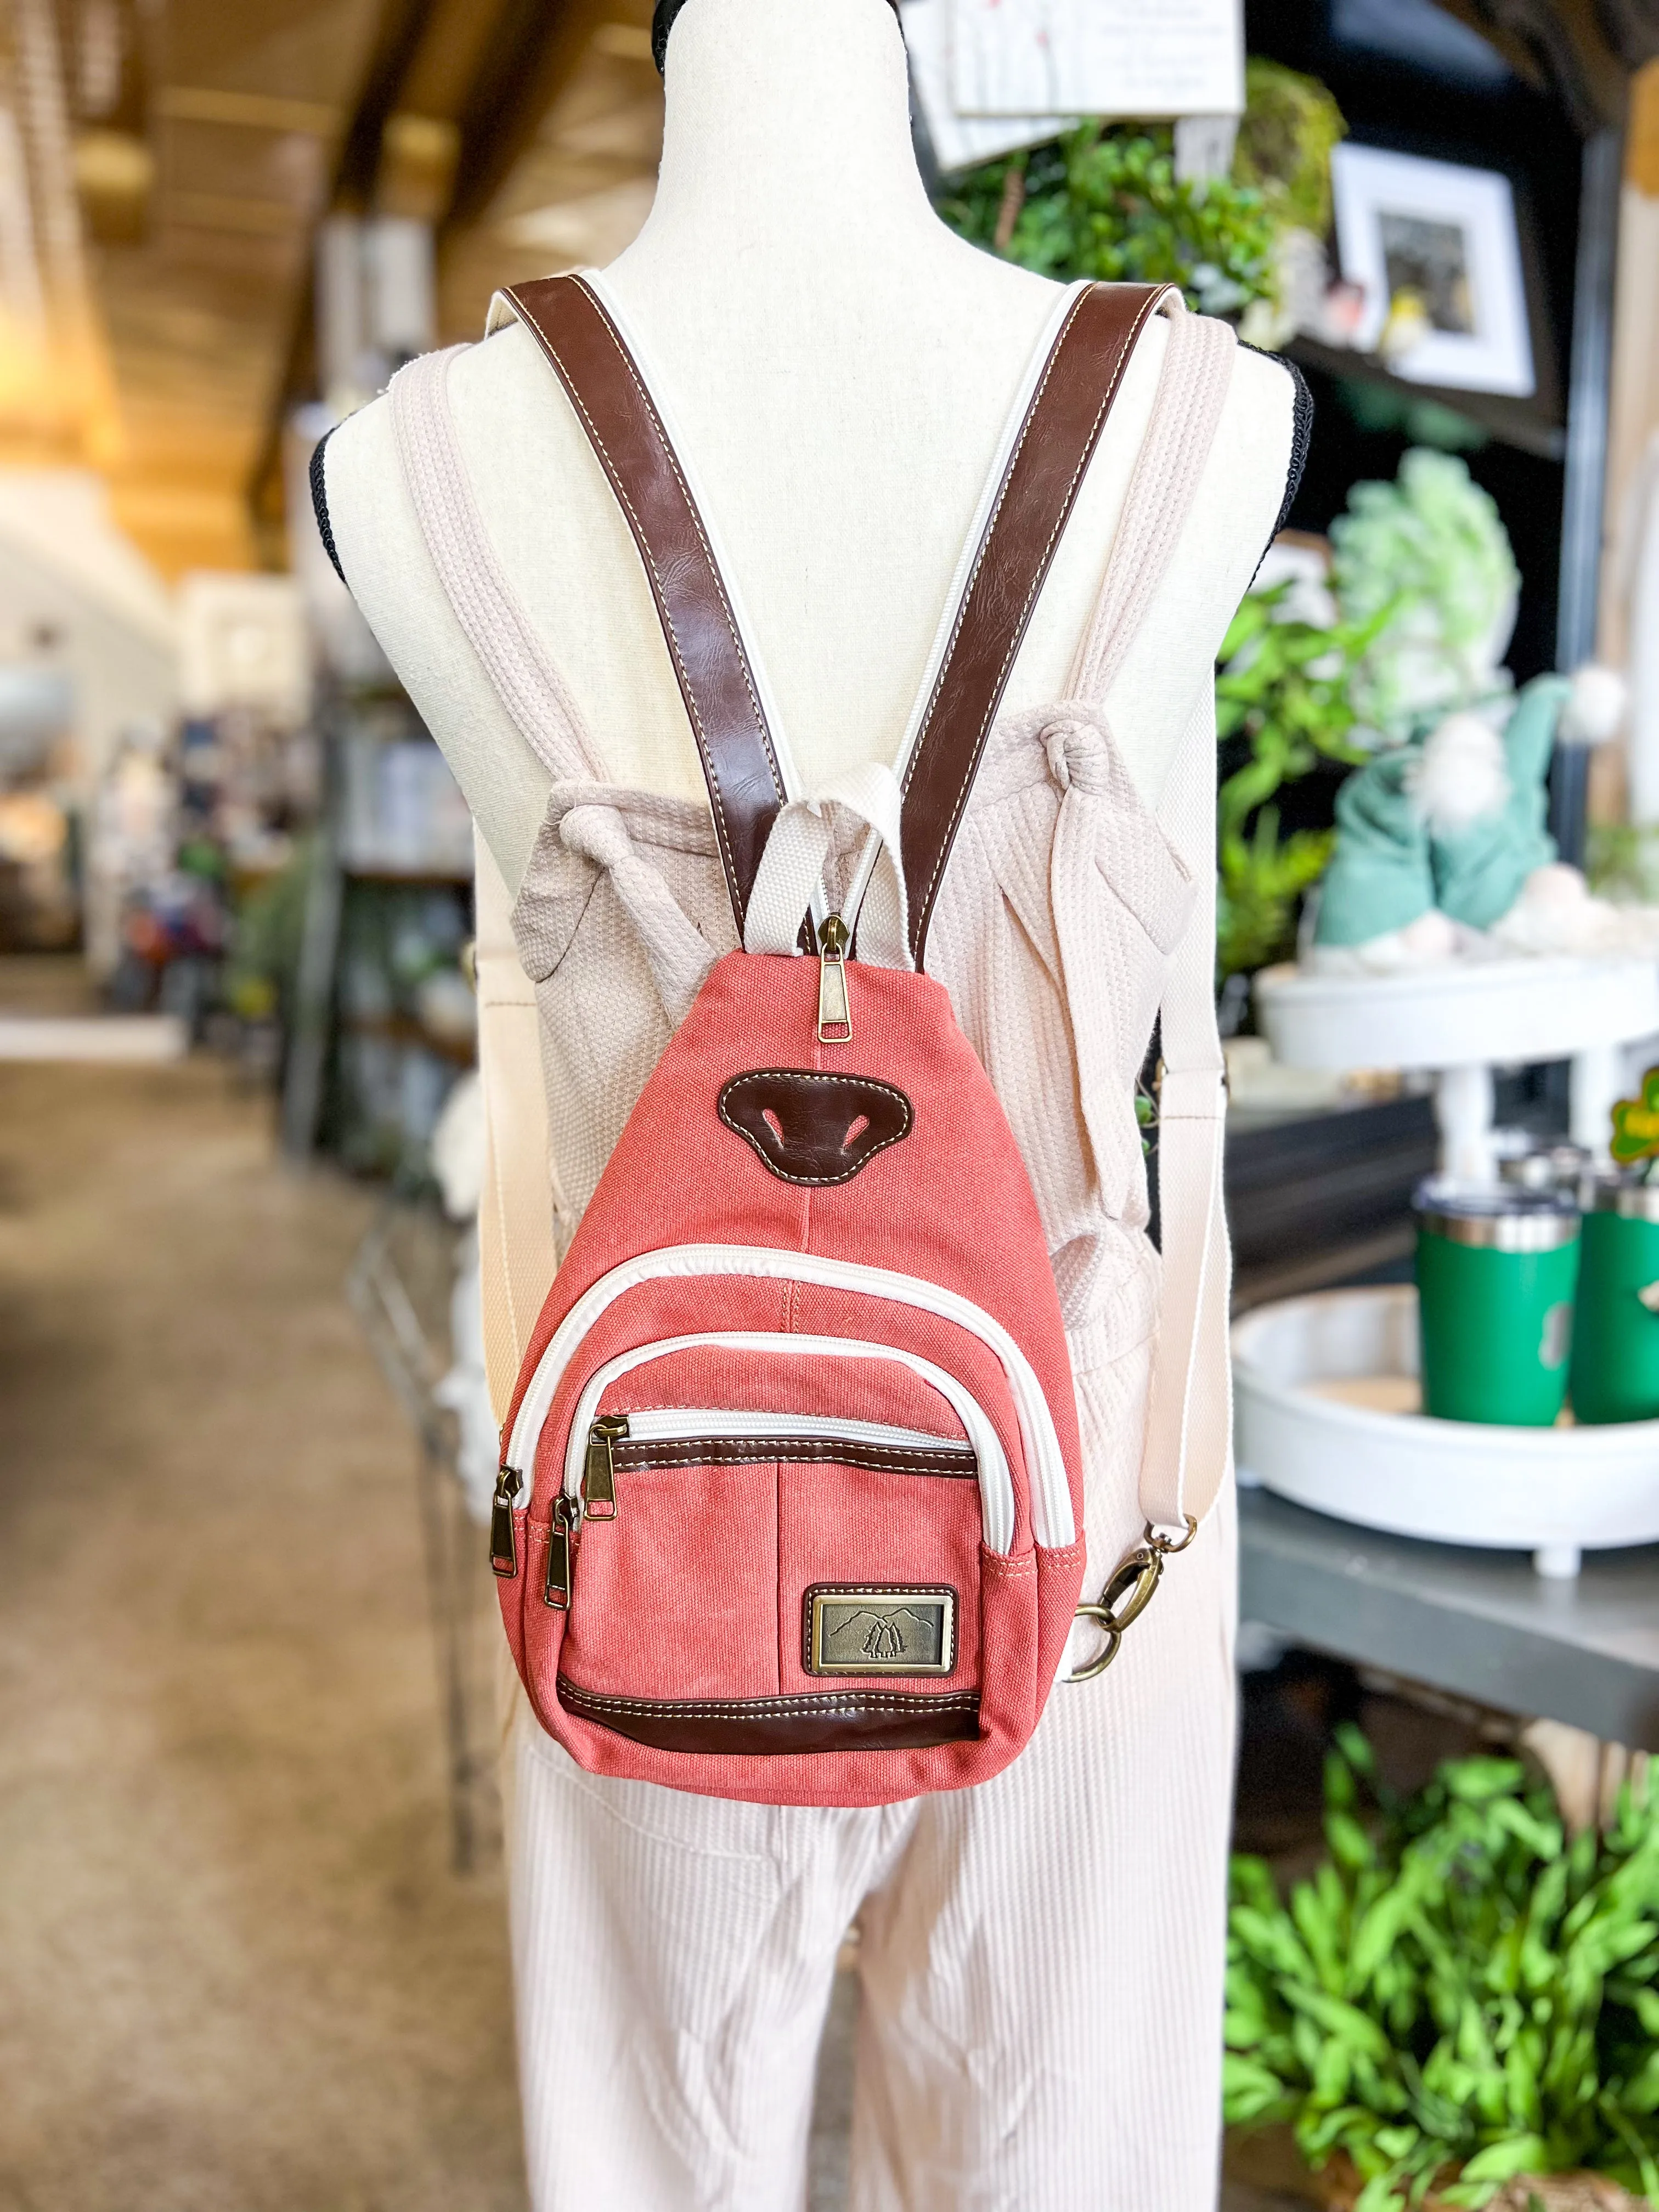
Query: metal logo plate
x=880, y=1630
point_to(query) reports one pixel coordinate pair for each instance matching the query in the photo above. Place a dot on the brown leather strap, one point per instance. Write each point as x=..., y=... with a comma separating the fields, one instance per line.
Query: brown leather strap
x=745, y=788
x=1062, y=426
x=1039, y=489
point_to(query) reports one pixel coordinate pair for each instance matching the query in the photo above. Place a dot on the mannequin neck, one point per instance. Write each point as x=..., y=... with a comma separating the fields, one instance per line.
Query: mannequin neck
x=786, y=126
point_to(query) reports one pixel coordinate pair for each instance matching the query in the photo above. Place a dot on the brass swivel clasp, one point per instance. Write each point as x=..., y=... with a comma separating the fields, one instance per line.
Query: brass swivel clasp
x=1132, y=1588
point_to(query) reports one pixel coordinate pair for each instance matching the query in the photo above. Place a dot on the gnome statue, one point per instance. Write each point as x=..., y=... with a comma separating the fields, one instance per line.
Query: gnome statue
x=1441, y=849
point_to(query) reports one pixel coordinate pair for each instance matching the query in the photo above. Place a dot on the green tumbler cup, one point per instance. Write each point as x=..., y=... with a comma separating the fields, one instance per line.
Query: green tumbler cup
x=1615, y=1336
x=1496, y=1270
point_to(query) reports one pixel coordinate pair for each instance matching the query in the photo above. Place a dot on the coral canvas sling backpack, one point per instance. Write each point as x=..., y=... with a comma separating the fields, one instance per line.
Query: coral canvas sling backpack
x=790, y=1506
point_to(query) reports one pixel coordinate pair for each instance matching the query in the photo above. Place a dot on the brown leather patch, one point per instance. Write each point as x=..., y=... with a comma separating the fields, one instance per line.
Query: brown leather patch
x=813, y=1128
x=776, y=1728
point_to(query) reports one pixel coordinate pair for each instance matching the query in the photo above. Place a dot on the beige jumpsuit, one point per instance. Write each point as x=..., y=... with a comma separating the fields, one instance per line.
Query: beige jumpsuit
x=1041, y=1956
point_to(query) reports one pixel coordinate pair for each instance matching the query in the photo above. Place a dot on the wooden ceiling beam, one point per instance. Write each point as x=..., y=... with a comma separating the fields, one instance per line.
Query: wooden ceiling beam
x=536, y=48
x=513, y=74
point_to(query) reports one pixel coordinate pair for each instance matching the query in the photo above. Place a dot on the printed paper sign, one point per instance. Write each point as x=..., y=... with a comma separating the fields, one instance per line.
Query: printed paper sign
x=1152, y=58
x=958, y=141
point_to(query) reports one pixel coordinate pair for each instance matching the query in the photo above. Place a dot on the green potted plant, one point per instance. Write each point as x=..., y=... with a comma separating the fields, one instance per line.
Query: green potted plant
x=1105, y=202
x=1282, y=691
x=1461, y=2001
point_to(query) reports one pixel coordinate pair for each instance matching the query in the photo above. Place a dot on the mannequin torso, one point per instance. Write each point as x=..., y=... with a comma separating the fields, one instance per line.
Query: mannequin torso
x=837, y=369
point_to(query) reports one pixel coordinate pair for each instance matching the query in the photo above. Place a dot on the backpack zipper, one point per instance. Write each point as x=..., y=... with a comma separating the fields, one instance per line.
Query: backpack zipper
x=589, y=1490
x=600, y=1478
x=555, y=1588
x=503, y=1543
x=675, y=1436
x=834, y=1008
x=996, y=1486
x=1054, y=1523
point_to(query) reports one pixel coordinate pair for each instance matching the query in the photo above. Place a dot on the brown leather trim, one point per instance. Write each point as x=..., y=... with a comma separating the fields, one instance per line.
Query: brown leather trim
x=952, y=1462
x=745, y=788
x=776, y=1728
x=1062, y=429
x=798, y=1123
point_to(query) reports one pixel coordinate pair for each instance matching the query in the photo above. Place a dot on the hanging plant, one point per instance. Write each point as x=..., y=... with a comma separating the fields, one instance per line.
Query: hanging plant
x=1290, y=126
x=1104, y=201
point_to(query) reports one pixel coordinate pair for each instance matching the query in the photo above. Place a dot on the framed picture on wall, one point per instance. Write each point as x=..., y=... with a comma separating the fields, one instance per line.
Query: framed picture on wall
x=1435, y=248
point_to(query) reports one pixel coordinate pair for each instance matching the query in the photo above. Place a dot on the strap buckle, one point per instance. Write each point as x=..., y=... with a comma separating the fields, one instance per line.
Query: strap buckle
x=1131, y=1590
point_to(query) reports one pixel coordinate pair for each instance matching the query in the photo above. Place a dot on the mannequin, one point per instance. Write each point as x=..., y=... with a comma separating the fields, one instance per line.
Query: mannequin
x=838, y=368
x=1040, y=1957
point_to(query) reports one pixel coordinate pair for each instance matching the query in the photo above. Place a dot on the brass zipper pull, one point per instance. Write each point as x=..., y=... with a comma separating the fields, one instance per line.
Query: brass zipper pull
x=834, y=1011
x=503, y=1547
x=555, y=1590
x=599, y=1477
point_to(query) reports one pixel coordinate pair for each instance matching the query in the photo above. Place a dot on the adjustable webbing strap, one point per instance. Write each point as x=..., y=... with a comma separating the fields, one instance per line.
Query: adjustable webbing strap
x=1187, y=1448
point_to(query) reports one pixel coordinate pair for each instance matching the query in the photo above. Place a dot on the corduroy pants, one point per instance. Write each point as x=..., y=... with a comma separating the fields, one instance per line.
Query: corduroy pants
x=1041, y=1956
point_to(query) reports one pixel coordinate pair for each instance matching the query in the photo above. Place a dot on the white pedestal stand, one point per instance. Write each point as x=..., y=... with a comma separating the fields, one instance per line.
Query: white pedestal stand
x=1326, y=1401
x=1459, y=1021
x=1326, y=1389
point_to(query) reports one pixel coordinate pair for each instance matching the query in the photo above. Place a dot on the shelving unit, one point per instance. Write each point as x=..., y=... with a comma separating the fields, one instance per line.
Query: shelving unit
x=384, y=1022
x=1460, y=1020
x=1516, y=422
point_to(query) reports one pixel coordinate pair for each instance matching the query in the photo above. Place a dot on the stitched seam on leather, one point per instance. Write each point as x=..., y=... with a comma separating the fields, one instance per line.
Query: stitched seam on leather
x=823, y=1182
x=1017, y=629
x=696, y=519
x=986, y=535
x=690, y=696
x=833, y=1706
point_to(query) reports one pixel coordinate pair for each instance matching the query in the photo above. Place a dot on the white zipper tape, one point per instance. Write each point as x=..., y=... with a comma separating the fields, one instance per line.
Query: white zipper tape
x=1053, y=1521
x=996, y=1485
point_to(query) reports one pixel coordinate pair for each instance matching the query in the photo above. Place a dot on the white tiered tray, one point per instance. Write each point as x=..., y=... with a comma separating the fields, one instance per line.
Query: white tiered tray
x=1462, y=1019
x=1327, y=1413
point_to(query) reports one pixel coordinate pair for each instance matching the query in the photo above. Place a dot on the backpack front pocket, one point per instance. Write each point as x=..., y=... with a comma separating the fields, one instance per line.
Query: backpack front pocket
x=747, y=1580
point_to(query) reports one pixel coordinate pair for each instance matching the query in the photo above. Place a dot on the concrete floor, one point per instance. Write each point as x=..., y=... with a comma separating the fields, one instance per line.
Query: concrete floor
x=236, y=1972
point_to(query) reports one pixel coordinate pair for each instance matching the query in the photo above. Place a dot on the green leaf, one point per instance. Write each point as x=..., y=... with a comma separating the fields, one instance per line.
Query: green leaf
x=1350, y=1845
x=1477, y=1780
x=1502, y=2161
x=1340, y=2018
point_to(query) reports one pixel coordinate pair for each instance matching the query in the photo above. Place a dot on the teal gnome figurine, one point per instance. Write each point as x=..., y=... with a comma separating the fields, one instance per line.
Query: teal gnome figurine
x=1446, y=829
x=1441, y=848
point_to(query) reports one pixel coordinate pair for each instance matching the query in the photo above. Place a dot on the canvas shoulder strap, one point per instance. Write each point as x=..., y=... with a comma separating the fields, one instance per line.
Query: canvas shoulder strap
x=1061, y=427
x=1187, y=1447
